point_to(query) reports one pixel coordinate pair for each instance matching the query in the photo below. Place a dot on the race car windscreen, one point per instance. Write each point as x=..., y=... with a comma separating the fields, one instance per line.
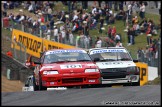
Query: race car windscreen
x=110, y=55
x=66, y=56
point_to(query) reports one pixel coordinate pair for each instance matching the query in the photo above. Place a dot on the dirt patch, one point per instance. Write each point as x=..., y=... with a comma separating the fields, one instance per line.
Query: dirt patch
x=10, y=85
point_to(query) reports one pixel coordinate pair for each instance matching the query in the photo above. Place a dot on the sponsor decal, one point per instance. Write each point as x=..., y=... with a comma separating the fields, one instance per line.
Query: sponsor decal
x=63, y=51
x=112, y=63
x=34, y=45
x=143, y=68
x=107, y=50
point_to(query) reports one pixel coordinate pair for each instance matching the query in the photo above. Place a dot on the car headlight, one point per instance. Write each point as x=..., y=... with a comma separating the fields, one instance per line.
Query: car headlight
x=50, y=72
x=132, y=69
x=91, y=70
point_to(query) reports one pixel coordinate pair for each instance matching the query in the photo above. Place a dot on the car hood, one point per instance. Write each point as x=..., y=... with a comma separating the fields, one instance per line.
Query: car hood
x=115, y=64
x=74, y=67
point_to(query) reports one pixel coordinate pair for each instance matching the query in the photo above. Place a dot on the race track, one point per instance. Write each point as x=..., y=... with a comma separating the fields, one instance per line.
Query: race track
x=148, y=94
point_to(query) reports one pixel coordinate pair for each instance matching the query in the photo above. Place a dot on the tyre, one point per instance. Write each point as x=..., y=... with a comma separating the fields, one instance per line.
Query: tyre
x=40, y=87
x=136, y=83
x=34, y=84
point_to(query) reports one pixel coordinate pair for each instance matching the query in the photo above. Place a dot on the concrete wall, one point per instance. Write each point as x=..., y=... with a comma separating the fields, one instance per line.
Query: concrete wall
x=17, y=70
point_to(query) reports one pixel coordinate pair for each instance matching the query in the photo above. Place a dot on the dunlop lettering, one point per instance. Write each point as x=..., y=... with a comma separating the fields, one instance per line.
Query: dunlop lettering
x=34, y=44
x=30, y=44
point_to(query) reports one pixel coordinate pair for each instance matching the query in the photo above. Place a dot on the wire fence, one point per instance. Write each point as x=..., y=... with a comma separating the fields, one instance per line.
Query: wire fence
x=19, y=55
x=152, y=59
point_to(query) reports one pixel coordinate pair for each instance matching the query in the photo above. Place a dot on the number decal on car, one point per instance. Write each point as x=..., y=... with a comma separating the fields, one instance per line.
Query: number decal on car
x=71, y=66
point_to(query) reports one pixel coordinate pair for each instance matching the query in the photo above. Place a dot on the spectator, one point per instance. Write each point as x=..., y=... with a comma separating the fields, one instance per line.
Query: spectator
x=113, y=32
x=94, y=24
x=109, y=31
x=118, y=44
x=31, y=9
x=51, y=23
x=71, y=38
x=56, y=34
x=75, y=27
x=48, y=34
x=101, y=24
x=117, y=38
x=132, y=35
x=140, y=53
x=128, y=35
x=49, y=11
x=107, y=17
x=135, y=20
x=77, y=40
x=63, y=33
x=112, y=19
x=136, y=28
x=142, y=11
x=98, y=43
x=82, y=40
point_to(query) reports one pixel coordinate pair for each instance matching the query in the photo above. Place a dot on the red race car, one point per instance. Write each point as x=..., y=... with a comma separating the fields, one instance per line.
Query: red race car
x=63, y=68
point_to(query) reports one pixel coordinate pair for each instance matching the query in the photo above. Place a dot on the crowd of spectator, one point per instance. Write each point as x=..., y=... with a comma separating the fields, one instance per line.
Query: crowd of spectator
x=73, y=26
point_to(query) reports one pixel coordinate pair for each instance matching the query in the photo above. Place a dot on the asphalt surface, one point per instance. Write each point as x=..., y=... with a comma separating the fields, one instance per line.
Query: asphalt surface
x=144, y=95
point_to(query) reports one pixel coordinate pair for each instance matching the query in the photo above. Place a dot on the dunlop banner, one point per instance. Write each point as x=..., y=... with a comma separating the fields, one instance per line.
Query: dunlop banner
x=32, y=43
x=143, y=72
x=55, y=45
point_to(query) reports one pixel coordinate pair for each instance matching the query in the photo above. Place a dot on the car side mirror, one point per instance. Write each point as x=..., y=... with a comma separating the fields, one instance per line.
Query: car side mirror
x=135, y=60
x=96, y=59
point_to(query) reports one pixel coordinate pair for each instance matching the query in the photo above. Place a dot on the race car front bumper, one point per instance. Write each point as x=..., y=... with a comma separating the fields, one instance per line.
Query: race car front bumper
x=127, y=79
x=71, y=79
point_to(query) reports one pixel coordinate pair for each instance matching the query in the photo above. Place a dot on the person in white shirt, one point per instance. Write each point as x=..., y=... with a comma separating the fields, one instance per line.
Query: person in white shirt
x=55, y=34
x=63, y=35
x=117, y=38
x=21, y=18
x=118, y=44
x=48, y=34
x=142, y=11
x=94, y=10
x=98, y=43
x=30, y=9
x=75, y=17
x=71, y=37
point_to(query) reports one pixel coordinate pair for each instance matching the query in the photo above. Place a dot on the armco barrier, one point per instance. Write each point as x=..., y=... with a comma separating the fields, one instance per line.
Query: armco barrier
x=14, y=68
